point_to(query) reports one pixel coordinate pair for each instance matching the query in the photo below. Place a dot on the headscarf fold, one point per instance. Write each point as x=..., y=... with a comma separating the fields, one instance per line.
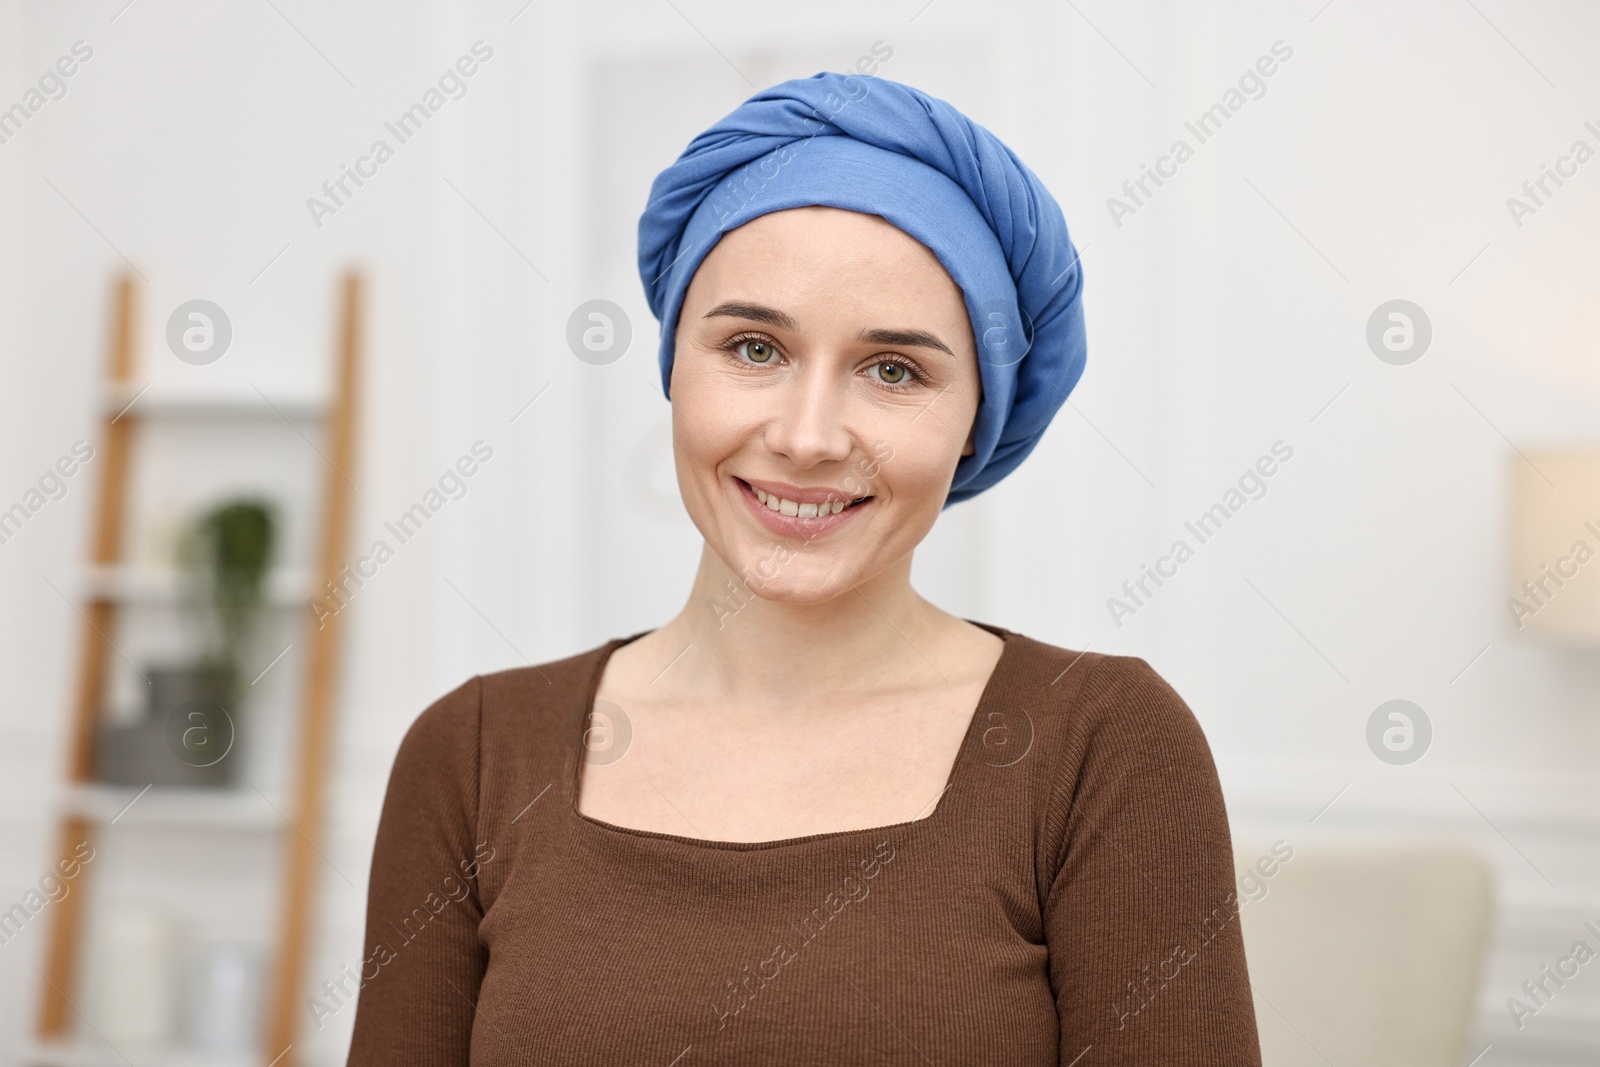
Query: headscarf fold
x=881, y=148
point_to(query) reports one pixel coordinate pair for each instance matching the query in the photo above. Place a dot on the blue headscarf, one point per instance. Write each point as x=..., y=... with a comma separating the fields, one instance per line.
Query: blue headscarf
x=881, y=148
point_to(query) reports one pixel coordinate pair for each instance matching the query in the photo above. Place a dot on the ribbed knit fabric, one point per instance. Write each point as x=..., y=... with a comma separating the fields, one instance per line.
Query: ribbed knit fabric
x=1070, y=899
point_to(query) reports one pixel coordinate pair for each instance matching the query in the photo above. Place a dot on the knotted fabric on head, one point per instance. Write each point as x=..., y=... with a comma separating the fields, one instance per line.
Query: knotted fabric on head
x=881, y=148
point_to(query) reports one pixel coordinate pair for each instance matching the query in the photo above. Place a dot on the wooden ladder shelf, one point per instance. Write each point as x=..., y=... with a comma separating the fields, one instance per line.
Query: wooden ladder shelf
x=284, y=989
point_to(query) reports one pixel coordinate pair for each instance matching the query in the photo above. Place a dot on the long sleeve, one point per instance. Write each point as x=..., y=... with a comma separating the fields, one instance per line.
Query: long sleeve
x=422, y=961
x=1142, y=918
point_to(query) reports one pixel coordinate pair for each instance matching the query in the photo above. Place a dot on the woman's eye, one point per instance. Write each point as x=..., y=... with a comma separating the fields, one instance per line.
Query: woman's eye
x=756, y=351
x=892, y=373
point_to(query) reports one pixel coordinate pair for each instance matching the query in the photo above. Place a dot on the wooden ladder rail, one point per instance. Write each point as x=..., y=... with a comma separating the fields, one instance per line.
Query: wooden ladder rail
x=320, y=687
x=66, y=922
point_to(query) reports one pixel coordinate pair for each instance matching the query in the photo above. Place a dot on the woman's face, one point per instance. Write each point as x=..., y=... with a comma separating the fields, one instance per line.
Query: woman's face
x=824, y=387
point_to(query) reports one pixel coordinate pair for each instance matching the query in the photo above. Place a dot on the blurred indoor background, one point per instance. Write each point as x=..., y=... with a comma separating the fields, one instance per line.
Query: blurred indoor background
x=1369, y=265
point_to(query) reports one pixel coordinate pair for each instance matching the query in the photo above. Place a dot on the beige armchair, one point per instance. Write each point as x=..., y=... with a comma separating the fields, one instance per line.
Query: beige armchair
x=1364, y=955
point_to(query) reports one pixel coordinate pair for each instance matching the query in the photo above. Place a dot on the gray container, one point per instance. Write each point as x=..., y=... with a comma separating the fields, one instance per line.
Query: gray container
x=186, y=737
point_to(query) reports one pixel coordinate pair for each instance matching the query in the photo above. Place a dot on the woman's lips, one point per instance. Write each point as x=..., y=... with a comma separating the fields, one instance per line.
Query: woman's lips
x=794, y=525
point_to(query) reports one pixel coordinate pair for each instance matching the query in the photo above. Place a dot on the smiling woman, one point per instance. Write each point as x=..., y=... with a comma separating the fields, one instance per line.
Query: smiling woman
x=827, y=821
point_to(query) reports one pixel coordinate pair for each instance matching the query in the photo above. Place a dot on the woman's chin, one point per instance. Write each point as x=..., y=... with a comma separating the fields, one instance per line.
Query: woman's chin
x=800, y=594
x=814, y=579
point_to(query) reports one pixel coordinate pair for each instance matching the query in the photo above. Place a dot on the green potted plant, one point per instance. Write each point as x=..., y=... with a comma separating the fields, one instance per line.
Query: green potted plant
x=224, y=557
x=187, y=733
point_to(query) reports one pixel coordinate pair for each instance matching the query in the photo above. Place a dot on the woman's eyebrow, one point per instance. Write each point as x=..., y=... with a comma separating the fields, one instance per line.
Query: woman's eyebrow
x=914, y=338
x=770, y=316
x=774, y=317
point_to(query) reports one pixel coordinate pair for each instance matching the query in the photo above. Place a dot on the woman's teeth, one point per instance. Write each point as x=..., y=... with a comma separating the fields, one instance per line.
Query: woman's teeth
x=804, y=511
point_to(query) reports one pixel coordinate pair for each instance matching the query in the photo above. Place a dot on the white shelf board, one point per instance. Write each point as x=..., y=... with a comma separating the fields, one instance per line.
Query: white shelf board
x=285, y=586
x=233, y=401
x=84, y=1054
x=169, y=806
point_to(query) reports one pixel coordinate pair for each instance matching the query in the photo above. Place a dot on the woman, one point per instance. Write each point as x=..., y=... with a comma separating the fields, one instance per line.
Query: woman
x=814, y=818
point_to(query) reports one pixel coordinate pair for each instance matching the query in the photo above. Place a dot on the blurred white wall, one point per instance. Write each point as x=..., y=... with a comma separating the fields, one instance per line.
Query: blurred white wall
x=1227, y=313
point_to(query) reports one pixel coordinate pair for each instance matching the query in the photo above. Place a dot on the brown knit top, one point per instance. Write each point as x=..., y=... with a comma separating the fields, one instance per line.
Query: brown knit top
x=1070, y=899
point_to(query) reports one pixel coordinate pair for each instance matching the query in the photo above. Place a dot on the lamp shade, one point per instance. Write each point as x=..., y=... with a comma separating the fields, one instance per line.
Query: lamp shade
x=1553, y=588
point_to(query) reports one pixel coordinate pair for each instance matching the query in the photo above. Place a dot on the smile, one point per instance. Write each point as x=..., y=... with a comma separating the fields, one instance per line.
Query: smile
x=814, y=512
x=804, y=511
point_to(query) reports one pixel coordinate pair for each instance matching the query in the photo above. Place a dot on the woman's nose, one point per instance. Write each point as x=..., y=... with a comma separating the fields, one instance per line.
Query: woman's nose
x=808, y=421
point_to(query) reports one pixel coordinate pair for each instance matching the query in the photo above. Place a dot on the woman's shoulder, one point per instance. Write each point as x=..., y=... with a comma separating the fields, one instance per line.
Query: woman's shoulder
x=540, y=687
x=1114, y=748
x=1112, y=704
x=498, y=705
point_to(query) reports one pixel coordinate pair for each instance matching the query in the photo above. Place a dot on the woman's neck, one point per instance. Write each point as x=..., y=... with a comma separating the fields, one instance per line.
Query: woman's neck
x=767, y=653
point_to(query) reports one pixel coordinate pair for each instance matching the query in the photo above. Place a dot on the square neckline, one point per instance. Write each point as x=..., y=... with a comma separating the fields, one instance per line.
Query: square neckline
x=965, y=755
